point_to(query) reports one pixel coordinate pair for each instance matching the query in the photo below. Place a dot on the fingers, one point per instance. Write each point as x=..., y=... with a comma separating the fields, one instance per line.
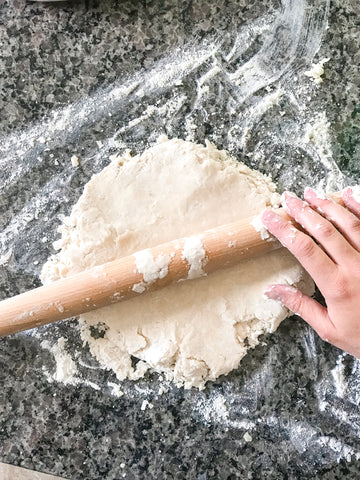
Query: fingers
x=334, y=243
x=351, y=198
x=303, y=247
x=311, y=311
x=346, y=221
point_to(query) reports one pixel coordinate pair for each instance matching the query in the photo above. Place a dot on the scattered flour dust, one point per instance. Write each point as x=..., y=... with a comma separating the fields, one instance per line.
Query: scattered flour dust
x=66, y=370
x=317, y=132
x=338, y=376
x=213, y=409
x=216, y=409
x=317, y=140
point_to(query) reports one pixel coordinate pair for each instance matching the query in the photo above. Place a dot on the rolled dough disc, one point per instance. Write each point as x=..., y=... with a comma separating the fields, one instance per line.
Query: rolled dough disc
x=193, y=331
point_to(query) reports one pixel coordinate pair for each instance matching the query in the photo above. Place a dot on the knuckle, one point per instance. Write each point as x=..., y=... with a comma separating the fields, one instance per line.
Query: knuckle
x=305, y=247
x=295, y=304
x=283, y=228
x=326, y=230
x=326, y=334
x=356, y=271
x=340, y=289
x=353, y=225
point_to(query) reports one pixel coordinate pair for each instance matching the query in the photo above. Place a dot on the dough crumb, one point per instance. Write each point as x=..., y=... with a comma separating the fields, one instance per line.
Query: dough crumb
x=93, y=385
x=247, y=437
x=115, y=389
x=162, y=390
x=145, y=404
x=139, y=287
x=316, y=71
x=74, y=161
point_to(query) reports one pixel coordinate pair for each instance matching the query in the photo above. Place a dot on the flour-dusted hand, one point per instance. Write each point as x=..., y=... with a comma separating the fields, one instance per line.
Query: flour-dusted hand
x=330, y=252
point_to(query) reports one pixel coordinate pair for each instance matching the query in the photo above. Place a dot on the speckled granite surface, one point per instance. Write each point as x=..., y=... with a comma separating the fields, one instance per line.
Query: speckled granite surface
x=120, y=73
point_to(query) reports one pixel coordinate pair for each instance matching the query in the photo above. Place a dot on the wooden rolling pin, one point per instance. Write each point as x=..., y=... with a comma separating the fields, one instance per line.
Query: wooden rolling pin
x=122, y=279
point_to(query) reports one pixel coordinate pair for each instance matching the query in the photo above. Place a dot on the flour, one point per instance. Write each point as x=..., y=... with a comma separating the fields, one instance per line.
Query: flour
x=214, y=409
x=338, y=376
x=151, y=268
x=317, y=132
x=195, y=255
x=256, y=112
x=66, y=370
x=317, y=136
x=259, y=227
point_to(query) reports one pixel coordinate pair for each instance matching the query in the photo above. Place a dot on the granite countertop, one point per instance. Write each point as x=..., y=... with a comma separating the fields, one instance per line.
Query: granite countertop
x=90, y=78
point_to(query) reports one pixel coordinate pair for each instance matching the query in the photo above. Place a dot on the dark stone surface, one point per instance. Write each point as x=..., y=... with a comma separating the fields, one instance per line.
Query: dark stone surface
x=96, y=67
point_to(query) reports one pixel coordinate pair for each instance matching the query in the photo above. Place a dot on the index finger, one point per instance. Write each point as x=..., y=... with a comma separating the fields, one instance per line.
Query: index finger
x=310, y=255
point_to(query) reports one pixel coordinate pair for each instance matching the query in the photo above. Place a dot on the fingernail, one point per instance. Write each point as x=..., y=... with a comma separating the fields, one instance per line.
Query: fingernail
x=288, y=195
x=287, y=198
x=347, y=192
x=272, y=293
x=268, y=216
x=354, y=192
x=310, y=193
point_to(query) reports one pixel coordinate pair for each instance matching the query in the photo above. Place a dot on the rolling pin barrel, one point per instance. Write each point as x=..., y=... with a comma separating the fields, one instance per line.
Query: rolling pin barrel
x=127, y=277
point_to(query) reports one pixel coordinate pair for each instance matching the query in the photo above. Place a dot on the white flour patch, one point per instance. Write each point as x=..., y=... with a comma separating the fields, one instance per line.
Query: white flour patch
x=338, y=376
x=151, y=268
x=195, y=255
x=259, y=227
x=213, y=409
x=218, y=409
x=66, y=370
x=317, y=138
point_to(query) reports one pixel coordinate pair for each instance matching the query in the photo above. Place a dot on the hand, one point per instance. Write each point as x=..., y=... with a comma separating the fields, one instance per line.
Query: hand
x=330, y=252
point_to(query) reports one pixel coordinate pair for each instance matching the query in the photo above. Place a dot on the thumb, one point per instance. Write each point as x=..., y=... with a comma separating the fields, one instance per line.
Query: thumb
x=309, y=309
